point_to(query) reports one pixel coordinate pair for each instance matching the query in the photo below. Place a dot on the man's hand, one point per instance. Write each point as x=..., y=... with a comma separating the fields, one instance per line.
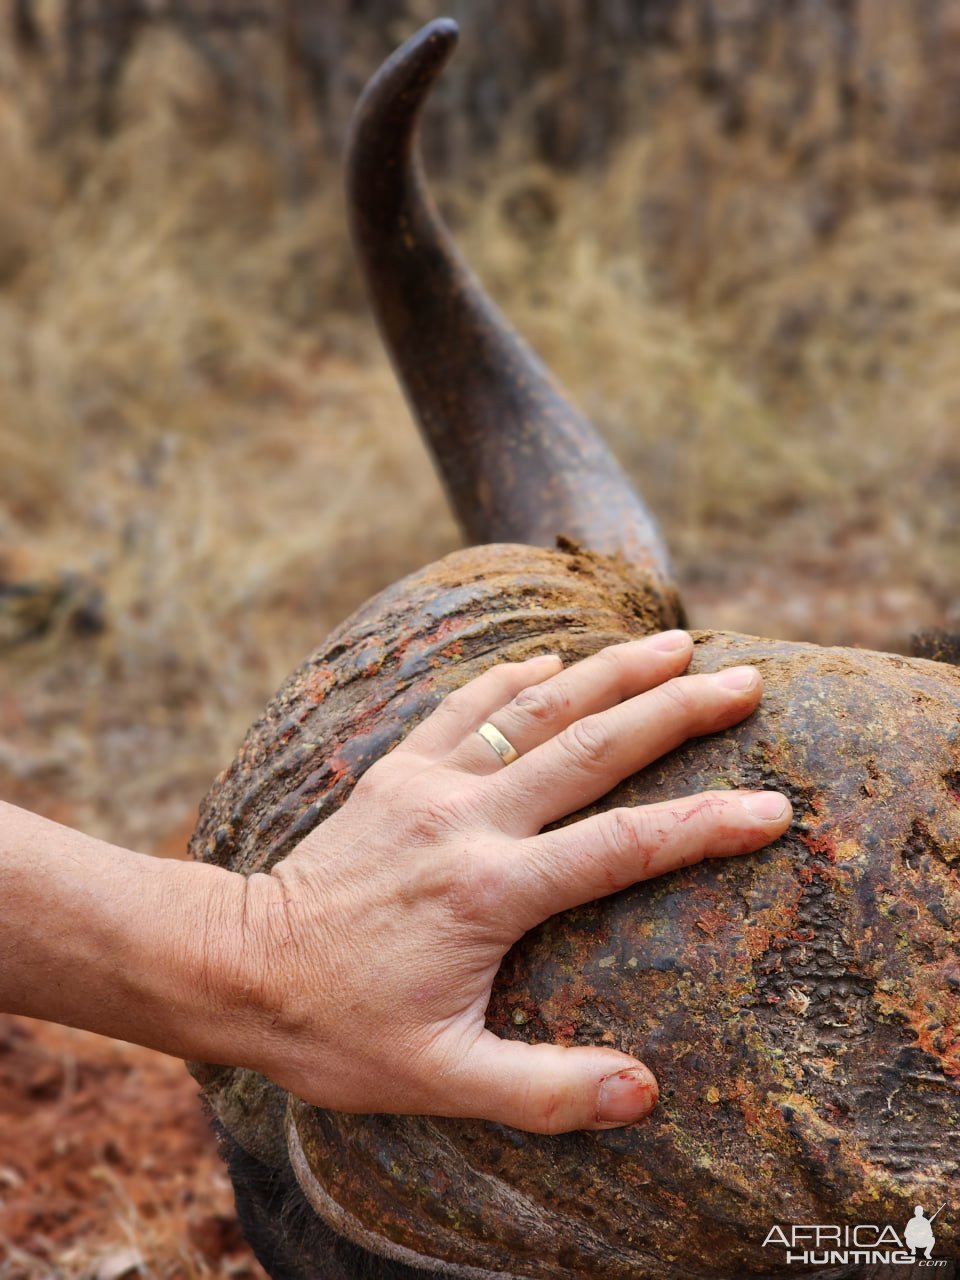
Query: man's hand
x=357, y=973
x=371, y=950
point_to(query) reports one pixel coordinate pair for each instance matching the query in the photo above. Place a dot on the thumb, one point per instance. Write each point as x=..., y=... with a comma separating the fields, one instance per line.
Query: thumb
x=546, y=1088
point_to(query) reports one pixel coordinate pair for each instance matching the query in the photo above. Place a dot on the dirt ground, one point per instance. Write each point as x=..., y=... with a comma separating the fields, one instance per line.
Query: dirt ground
x=107, y=1166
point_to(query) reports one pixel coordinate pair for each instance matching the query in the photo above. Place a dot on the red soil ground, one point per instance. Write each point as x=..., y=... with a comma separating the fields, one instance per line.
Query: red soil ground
x=107, y=1166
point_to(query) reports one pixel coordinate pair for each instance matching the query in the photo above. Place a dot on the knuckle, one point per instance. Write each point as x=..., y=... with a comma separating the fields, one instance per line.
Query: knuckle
x=431, y=816
x=609, y=859
x=446, y=714
x=543, y=703
x=451, y=708
x=454, y=711
x=630, y=832
x=615, y=659
x=680, y=696
x=587, y=742
x=460, y=702
x=475, y=888
x=454, y=697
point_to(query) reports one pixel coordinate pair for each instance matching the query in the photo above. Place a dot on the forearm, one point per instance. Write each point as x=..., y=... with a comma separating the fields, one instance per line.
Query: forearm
x=94, y=936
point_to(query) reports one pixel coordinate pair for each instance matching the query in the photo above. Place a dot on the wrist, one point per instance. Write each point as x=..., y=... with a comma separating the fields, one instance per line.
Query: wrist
x=165, y=931
x=237, y=959
x=270, y=1001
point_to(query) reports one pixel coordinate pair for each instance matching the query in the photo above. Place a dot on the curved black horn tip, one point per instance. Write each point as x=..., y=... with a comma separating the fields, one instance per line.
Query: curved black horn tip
x=446, y=29
x=414, y=66
x=433, y=43
x=384, y=123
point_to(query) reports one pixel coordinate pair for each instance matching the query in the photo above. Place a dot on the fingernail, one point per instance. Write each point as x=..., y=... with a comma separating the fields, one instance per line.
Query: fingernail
x=767, y=805
x=669, y=641
x=739, y=678
x=626, y=1096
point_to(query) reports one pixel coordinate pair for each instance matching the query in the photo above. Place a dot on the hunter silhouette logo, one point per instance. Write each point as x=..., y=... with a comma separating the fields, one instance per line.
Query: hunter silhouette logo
x=919, y=1233
x=866, y=1243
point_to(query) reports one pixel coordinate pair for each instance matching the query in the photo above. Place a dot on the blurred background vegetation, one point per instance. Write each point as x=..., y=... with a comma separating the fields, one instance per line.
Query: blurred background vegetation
x=731, y=227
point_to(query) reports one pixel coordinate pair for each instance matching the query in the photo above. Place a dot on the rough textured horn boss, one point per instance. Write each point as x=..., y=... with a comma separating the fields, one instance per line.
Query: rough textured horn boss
x=801, y=1007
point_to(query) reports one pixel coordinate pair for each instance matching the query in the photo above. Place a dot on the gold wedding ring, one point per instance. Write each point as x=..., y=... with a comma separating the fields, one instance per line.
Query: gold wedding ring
x=501, y=745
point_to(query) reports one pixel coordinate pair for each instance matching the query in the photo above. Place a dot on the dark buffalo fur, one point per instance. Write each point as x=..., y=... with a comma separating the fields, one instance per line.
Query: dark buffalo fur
x=290, y=1241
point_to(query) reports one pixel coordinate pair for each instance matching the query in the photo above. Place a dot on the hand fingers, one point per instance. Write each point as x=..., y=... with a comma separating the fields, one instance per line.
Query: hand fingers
x=605, y=853
x=546, y=1088
x=461, y=711
x=540, y=711
x=593, y=754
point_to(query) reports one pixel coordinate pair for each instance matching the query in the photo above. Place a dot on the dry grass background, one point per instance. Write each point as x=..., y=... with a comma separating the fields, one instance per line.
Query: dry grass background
x=760, y=312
